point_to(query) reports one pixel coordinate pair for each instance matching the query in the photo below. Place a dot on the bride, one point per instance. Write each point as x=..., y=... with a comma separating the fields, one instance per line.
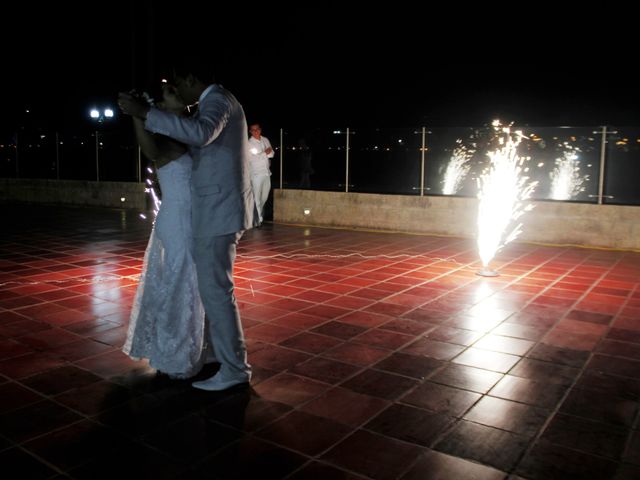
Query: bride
x=167, y=324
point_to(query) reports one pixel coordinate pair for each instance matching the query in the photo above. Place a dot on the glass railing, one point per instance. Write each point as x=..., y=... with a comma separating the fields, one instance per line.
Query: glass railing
x=576, y=164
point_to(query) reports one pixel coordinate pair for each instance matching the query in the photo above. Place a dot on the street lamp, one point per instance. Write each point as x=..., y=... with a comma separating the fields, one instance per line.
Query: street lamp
x=99, y=116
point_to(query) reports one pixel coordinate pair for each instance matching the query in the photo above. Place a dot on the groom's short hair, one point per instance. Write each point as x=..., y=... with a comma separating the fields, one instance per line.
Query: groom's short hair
x=192, y=62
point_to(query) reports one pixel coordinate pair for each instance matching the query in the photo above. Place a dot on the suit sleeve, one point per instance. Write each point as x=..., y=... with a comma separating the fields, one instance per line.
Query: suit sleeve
x=213, y=115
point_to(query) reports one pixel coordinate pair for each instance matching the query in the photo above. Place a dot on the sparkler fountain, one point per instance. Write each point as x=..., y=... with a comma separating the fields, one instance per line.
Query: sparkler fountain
x=566, y=181
x=457, y=169
x=502, y=189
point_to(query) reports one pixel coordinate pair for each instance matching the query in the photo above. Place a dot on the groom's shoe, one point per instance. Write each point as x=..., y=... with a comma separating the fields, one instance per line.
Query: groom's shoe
x=218, y=382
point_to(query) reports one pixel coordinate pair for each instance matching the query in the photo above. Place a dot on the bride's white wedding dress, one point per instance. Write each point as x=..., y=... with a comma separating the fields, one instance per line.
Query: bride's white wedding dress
x=167, y=318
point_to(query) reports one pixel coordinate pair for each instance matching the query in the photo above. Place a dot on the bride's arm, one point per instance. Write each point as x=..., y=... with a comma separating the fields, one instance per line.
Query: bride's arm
x=158, y=148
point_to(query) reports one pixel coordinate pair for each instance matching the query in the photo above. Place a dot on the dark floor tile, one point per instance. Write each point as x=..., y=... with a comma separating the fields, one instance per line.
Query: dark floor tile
x=627, y=472
x=520, y=331
x=345, y=406
x=486, y=445
x=624, y=335
x=245, y=411
x=632, y=454
x=591, y=317
x=619, y=387
x=24, y=466
x=61, y=379
x=377, y=337
x=373, y=455
x=467, y=378
x=441, y=399
x=30, y=364
x=588, y=436
x=339, y=330
x=355, y=353
x=137, y=416
x=600, y=406
x=277, y=358
x=546, y=461
x=506, y=415
x=438, y=466
x=308, y=434
x=250, y=458
x=34, y=420
x=544, y=371
x=429, y=348
x=410, y=424
x=12, y=348
x=409, y=365
x=136, y=460
x=458, y=336
x=290, y=389
x=379, y=384
x=79, y=350
x=317, y=471
x=96, y=397
x=494, y=361
x=528, y=391
x=191, y=438
x=14, y=395
x=406, y=326
x=616, y=348
x=615, y=366
x=562, y=356
x=311, y=343
x=76, y=444
x=502, y=344
x=325, y=370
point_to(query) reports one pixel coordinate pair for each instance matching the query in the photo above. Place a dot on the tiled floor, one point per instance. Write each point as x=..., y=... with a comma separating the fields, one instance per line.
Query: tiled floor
x=375, y=356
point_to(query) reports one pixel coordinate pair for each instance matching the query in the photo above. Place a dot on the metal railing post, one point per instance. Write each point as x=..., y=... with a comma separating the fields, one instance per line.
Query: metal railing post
x=603, y=150
x=57, y=157
x=346, y=183
x=424, y=134
x=281, y=154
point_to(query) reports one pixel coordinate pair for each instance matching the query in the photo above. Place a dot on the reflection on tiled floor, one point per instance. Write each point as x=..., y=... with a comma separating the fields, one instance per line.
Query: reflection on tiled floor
x=375, y=356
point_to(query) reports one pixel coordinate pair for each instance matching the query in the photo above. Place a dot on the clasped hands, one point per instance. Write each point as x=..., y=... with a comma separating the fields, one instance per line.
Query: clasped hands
x=131, y=105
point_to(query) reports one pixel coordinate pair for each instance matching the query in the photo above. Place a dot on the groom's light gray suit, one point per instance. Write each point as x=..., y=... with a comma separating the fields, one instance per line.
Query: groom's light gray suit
x=222, y=208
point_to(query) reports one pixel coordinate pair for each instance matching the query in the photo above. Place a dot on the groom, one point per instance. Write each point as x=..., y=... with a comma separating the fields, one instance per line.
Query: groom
x=222, y=201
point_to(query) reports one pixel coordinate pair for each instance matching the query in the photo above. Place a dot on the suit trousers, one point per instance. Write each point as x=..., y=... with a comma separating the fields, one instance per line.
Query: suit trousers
x=214, y=257
x=261, y=185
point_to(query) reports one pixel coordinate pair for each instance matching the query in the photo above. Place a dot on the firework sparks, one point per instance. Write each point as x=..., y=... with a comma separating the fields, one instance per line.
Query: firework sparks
x=457, y=169
x=150, y=189
x=502, y=190
x=566, y=181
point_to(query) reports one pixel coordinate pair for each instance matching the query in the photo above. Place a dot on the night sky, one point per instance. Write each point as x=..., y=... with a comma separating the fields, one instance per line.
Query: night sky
x=330, y=65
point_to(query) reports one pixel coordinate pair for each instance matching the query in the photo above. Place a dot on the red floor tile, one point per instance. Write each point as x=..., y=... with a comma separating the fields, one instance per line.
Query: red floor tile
x=368, y=350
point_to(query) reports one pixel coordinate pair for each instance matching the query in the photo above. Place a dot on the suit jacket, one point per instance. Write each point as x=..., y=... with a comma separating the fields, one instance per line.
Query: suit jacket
x=222, y=200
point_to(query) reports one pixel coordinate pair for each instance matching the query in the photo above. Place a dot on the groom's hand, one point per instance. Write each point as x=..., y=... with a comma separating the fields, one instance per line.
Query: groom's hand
x=133, y=106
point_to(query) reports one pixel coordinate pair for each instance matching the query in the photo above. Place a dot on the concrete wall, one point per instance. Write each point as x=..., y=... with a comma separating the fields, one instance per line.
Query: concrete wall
x=75, y=192
x=549, y=222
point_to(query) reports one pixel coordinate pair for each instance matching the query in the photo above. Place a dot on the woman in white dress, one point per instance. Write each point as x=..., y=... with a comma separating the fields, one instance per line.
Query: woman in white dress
x=167, y=318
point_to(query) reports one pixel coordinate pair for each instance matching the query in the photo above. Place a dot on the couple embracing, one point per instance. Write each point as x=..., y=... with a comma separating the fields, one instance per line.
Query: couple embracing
x=184, y=312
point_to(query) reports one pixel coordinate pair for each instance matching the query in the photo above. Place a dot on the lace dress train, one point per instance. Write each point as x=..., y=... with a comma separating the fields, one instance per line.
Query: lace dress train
x=167, y=318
